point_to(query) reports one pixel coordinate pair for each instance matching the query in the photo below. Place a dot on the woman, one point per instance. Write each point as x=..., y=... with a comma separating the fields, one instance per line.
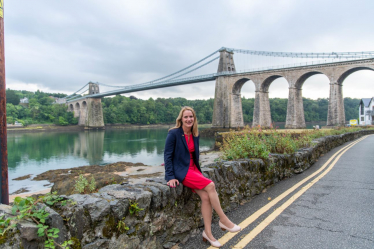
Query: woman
x=181, y=157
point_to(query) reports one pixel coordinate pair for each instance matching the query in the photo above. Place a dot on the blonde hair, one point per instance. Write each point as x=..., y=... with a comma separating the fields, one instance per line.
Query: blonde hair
x=178, y=121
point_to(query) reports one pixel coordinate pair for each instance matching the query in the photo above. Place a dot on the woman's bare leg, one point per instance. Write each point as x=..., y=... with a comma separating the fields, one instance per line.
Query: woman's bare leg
x=214, y=201
x=206, y=211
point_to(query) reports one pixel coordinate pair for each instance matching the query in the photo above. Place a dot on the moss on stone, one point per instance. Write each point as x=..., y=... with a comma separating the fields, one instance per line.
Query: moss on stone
x=110, y=227
x=8, y=236
x=76, y=243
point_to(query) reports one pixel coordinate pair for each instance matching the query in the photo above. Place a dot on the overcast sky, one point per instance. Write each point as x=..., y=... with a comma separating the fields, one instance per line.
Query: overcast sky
x=58, y=46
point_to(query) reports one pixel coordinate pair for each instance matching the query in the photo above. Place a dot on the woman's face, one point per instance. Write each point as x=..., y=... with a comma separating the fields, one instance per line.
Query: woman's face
x=187, y=119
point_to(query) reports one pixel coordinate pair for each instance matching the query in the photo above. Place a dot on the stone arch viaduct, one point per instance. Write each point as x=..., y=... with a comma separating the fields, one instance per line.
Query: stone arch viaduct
x=228, y=113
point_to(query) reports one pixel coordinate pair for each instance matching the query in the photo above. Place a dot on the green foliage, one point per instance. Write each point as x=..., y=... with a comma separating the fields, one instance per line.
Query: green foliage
x=92, y=185
x=62, y=121
x=40, y=109
x=134, y=208
x=12, y=97
x=28, y=209
x=258, y=143
x=127, y=110
x=130, y=110
x=82, y=185
x=121, y=226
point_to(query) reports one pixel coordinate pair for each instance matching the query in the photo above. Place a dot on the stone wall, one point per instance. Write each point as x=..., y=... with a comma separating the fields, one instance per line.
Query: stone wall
x=168, y=215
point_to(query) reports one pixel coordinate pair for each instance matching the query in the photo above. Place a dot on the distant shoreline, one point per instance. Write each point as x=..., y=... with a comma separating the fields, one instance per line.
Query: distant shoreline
x=51, y=127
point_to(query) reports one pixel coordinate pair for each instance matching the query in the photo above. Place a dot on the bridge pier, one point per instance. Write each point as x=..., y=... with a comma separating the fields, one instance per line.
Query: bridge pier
x=261, y=112
x=89, y=112
x=335, y=113
x=227, y=109
x=295, y=109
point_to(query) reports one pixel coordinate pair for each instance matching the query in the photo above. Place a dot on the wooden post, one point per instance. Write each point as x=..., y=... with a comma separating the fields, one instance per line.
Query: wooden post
x=4, y=193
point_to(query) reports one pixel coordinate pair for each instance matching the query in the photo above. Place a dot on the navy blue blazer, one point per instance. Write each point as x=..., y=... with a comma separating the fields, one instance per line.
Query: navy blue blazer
x=177, y=155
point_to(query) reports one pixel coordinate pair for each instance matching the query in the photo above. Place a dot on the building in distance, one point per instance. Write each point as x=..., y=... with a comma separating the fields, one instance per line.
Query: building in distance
x=366, y=111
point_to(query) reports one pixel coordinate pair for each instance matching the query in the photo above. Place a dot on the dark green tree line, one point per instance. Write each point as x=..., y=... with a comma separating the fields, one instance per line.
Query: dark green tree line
x=130, y=110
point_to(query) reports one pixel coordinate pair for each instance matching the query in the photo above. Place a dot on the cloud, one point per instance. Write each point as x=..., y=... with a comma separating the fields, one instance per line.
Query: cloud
x=61, y=46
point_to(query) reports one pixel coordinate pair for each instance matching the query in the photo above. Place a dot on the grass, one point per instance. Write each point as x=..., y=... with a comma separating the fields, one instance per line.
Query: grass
x=259, y=143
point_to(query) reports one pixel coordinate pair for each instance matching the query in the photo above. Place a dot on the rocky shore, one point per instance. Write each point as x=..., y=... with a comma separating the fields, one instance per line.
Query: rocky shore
x=156, y=216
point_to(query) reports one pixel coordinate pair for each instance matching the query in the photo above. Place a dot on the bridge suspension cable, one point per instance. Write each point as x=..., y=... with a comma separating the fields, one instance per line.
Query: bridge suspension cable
x=175, y=73
x=187, y=67
x=74, y=94
x=193, y=69
x=337, y=55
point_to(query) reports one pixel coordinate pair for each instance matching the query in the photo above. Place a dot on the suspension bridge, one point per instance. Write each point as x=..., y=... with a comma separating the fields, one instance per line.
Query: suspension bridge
x=260, y=67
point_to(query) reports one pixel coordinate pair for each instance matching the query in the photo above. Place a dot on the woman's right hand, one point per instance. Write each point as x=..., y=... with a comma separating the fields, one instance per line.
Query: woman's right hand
x=173, y=183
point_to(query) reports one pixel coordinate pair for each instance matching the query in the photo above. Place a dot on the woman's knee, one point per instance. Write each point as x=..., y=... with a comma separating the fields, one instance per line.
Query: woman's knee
x=210, y=187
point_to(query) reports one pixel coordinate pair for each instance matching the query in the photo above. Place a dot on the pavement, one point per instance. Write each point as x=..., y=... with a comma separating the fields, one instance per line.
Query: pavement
x=330, y=205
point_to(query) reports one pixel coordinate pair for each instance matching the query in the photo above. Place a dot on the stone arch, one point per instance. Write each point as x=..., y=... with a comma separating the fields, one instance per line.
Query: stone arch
x=71, y=107
x=84, y=104
x=336, y=112
x=237, y=87
x=77, y=106
x=348, y=72
x=301, y=80
x=267, y=82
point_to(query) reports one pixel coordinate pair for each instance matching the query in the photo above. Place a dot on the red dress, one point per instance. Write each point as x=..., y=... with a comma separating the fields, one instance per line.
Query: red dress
x=194, y=178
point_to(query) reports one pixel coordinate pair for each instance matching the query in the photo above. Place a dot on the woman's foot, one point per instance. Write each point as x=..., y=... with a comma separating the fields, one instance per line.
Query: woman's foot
x=233, y=229
x=226, y=222
x=212, y=240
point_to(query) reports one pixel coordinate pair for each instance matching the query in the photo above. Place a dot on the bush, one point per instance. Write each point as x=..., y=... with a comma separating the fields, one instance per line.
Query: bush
x=258, y=143
x=83, y=186
x=62, y=121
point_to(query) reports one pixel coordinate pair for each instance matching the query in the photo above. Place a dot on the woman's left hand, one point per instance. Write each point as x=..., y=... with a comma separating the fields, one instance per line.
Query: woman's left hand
x=173, y=183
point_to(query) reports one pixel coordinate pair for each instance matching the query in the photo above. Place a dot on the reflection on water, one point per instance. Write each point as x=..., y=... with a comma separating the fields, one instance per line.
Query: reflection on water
x=89, y=145
x=34, y=153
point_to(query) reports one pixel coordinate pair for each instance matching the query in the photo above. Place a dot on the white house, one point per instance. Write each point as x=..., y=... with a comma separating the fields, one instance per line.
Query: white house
x=366, y=111
x=24, y=100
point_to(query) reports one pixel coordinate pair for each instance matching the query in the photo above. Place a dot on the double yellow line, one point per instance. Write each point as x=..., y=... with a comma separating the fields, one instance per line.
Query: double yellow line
x=249, y=237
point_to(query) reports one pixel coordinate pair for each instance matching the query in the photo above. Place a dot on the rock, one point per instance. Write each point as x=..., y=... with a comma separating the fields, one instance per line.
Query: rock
x=78, y=221
x=98, y=244
x=5, y=210
x=169, y=245
x=125, y=242
x=97, y=208
x=182, y=225
x=135, y=194
x=150, y=243
x=28, y=230
x=119, y=208
x=66, y=186
x=54, y=220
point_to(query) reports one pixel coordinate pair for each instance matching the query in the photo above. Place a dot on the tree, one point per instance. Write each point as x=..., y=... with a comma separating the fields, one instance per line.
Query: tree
x=12, y=97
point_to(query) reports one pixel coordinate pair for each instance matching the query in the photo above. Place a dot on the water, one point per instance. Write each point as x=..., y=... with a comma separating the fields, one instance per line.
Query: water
x=35, y=153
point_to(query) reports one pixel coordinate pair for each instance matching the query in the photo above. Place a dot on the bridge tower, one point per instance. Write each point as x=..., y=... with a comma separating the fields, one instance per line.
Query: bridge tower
x=89, y=111
x=227, y=110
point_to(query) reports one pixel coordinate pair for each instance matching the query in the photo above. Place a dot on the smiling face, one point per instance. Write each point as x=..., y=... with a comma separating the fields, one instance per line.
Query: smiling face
x=188, y=119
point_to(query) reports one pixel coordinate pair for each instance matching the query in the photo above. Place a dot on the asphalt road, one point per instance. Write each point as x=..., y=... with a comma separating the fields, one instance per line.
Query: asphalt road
x=330, y=205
